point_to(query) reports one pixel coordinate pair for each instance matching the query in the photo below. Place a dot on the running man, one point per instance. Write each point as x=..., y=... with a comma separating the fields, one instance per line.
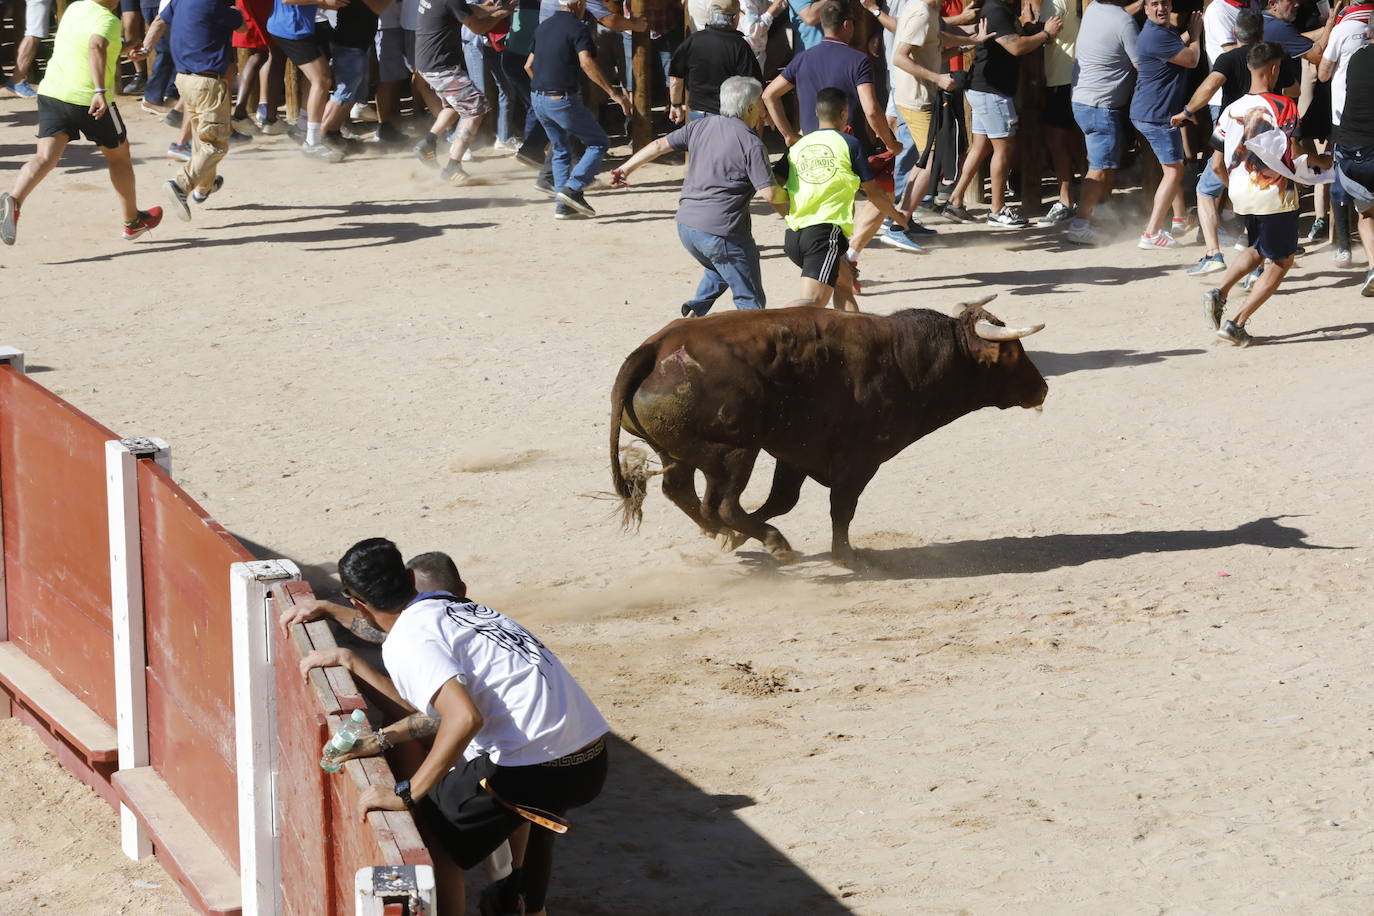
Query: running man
x=72, y=102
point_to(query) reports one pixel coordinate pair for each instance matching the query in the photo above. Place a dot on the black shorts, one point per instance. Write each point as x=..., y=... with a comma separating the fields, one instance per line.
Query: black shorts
x=300, y=51
x=1057, y=110
x=58, y=117
x=472, y=823
x=130, y=6
x=1274, y=235
x=817, y=250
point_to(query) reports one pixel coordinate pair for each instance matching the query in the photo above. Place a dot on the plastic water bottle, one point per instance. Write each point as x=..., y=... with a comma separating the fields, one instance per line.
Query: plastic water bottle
x=344, y=739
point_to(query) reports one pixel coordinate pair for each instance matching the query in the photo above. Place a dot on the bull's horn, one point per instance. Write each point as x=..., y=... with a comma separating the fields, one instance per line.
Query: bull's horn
x=977, y=305
x=989, y=331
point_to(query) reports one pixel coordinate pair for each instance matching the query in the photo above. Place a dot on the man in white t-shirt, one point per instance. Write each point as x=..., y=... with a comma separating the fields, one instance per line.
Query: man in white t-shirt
x=508, y=714
x=1219, y=35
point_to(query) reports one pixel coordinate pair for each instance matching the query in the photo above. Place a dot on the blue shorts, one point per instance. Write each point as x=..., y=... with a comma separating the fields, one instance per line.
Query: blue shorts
x=1166, y=141
x=395, y=54
x=350, y=74
x=1104, y=129
x=994, y=114
x=1274, y=235
x=1208, y=183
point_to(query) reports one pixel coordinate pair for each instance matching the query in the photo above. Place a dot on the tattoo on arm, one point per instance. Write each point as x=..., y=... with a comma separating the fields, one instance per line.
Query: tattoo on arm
x=419, y=725
x=360, y=628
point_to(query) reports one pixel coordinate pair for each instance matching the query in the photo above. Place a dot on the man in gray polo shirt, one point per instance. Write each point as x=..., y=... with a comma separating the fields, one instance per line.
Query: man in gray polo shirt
x=1104, y=76
x=726, y=168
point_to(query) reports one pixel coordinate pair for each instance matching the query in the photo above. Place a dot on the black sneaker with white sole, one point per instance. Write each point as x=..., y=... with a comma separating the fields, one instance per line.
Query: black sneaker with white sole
x=546, y=188
x=576, y=200
x=177, y=197
x=199, y=198
x=427, y=150
x=563, y=211
x=1213, y=305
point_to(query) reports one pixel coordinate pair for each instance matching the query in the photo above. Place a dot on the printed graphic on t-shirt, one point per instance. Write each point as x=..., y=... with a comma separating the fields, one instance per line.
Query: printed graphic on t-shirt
x=1255, y=188
x=817, y=164
x=499, y=629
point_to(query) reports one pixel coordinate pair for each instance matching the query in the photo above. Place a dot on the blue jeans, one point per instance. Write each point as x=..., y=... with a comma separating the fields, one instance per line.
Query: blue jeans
x=1104, y=133
x=660, y=55
x=518, y=81
x=564, y=119
x=1165, y=139
x=478, y=56
x=164, y=68
x=350, y=75
x=905, y=162
x=731, y=261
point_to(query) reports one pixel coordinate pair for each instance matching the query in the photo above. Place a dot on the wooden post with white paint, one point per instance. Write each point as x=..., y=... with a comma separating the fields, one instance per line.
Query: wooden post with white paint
x=126, y=616
x=13, y=357
x=255, y=722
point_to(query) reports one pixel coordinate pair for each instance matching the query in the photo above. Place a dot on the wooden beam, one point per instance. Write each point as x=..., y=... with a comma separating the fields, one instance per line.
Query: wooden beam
x=66, y=715
x=642, y=116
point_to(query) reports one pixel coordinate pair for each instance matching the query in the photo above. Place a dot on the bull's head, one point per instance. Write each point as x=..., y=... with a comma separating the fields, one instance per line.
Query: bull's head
x=1013, y=380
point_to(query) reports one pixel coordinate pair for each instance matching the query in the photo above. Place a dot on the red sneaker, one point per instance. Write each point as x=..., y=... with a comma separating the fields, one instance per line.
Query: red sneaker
x=147, y=219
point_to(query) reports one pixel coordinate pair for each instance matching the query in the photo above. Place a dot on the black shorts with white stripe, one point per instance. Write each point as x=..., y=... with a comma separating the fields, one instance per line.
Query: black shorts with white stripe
x=817, y=250
x=58, y=117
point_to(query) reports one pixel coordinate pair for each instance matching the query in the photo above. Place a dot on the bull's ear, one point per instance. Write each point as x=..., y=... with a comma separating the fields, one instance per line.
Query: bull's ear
x=987, y=352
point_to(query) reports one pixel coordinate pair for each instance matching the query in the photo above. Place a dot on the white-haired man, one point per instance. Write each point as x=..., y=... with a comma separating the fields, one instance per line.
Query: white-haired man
x=727, y=166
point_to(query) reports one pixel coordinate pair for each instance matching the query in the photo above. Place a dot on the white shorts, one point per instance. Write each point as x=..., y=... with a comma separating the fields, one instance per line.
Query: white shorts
x=37, y=18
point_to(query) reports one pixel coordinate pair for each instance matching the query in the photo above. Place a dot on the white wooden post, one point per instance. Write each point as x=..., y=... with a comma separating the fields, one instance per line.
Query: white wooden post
x=255, y=724
x=126, y=614
x=412, y=886
x=12, y=356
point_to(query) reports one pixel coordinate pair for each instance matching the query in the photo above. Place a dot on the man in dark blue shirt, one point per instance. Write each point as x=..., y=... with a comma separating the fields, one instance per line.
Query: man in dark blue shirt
x=563, y=50
x=1279, y=28
x=199, y=35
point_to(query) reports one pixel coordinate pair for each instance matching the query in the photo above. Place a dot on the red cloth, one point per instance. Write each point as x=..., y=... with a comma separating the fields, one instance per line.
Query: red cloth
x=950, y=8
x=255, y=13
x=880, y=164
x=1358, y=11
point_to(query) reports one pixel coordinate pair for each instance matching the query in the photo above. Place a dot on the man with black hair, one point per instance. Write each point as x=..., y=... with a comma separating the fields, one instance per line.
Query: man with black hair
x=516, y=735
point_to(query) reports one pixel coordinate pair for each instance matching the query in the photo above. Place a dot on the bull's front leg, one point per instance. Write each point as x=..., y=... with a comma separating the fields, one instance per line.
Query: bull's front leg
x=844, y=498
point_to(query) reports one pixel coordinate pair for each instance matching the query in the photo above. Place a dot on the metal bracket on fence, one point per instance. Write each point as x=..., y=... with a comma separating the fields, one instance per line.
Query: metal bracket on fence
x=255, y=725
x=395, y=890
x=12, y=356
x=126, y=614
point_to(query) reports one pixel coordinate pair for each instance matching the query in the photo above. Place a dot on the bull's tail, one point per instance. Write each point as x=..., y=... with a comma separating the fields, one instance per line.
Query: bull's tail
x=630, y=474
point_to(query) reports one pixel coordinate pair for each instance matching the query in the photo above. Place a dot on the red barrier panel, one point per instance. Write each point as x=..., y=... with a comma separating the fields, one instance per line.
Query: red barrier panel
x=323, y=843
x=186, y=559
x=56, y=539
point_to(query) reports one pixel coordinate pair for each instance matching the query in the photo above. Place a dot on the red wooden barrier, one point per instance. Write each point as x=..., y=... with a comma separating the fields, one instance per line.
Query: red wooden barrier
x=56, y=539
x=186, y=559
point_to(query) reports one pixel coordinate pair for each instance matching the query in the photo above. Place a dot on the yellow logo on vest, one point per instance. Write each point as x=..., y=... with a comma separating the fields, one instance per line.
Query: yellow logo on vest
x=816, y=164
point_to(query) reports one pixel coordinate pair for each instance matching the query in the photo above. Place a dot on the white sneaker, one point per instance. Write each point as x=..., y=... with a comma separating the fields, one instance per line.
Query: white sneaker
x=1160, y=239
x=1081, y=233
x=359, y=111
x=1007, y=218
x=507, y=146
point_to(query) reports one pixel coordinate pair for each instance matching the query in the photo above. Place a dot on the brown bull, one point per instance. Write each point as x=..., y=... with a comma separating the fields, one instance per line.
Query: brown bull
x=830, y=395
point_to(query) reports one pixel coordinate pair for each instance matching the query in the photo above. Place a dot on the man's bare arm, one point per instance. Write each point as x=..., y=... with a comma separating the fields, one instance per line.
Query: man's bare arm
x=772, y=103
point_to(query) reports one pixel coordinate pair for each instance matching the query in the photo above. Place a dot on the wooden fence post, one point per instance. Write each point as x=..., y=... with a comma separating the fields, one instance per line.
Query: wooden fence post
x=126, y=616
x=1030, y=138
x=642, y=122
x=13, y=357
x=255, y=726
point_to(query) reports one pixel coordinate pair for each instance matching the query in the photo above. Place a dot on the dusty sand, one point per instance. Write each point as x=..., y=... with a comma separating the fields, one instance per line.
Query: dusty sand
x=1108, y=659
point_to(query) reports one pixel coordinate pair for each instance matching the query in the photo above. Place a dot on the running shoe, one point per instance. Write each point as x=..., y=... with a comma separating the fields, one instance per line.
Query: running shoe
x=1161, y=239
x=199, y=198
x=917, y=230
x=546, y=188
x=181, y=152
x=322, y=151
x=296, y=132
x=135, y=85
x=453, y=173
x=359, y=111
x=1319, y=231
x=1059, y=213
x=563, y=211
x=1207, y=264
x=155, y=108
x=178, y=198
x=9, y=221
x=390, y=133
x=1366, y=290
x=1213, y=306
x=238, y=137
x=244, y=125
x=899, y=239
x=955, y=213
x=1234, y=334
x=147, y=219
x=272, y=127
x=1342, y=258
x=530, y=156
x=427, y=150
x=21, y=88
x=173, y=119
x=1249, y=279
x=576, y=200
x=1177, y=227
x=509, y=145
x=1081, y=232
x=1007, y=218
x=689, y=312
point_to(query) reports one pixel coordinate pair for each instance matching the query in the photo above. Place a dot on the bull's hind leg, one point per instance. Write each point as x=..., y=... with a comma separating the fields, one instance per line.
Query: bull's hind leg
x=786, y=490
x=725, y=485
x=680, y=486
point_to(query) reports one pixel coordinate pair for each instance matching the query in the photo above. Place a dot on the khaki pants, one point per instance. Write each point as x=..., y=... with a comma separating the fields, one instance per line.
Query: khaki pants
x=208, y=108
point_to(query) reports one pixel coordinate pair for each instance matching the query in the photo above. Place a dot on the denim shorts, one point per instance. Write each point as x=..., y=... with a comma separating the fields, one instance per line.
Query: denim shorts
x=994, y=114
x=350, y=74
x=1104, y=129
x=1208, y=183
x=1355, y=174
x=1166, y=141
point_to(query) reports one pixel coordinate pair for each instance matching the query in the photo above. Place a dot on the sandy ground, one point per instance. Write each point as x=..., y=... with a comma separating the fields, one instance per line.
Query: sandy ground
x=1106, y=659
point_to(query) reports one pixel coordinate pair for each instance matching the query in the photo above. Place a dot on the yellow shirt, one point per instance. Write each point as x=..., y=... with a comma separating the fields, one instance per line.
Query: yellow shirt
x=68, y=77
x=1059, y=52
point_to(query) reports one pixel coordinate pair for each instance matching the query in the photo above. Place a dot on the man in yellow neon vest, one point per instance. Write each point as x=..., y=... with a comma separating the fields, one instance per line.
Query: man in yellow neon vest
x=825, y=170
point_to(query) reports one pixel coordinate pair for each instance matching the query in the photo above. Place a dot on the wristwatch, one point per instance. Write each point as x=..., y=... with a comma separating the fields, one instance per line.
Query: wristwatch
x=402, y=791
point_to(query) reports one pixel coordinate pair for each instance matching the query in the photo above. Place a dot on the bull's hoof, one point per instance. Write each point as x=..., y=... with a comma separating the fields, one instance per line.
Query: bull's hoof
x=730, y=540
x=784, y=557
x=780, y=550
x=850, y=559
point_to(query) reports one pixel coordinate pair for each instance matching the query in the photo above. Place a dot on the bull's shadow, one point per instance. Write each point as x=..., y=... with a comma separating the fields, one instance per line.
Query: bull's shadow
x=1042, y=553
x=1052, y=364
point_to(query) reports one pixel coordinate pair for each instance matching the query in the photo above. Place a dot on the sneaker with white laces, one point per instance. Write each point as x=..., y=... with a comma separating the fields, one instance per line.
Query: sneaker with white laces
x=509, y=145
x=199, y=198
x=181, y=152
x=575, y=199
x=1366, y=290
x=1207, y=264
x=1161, y=239
x=1007, y=218
x=322, y=151
x=1081, y=232
x=1213, y=307
x=899, y=239
x=1342, y=258
x=147, y=219
x=9, y=220
x=955, y=213
x=1249, y=279
x=1059, y=213
x=1234, y=334
x=178, y=198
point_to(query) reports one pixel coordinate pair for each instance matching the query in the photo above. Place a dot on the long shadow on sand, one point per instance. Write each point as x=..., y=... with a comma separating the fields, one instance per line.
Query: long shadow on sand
x=1052, y=364
x=1322, y=335
x=1042, y=553
x=1022, y=282
x=653, y=842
